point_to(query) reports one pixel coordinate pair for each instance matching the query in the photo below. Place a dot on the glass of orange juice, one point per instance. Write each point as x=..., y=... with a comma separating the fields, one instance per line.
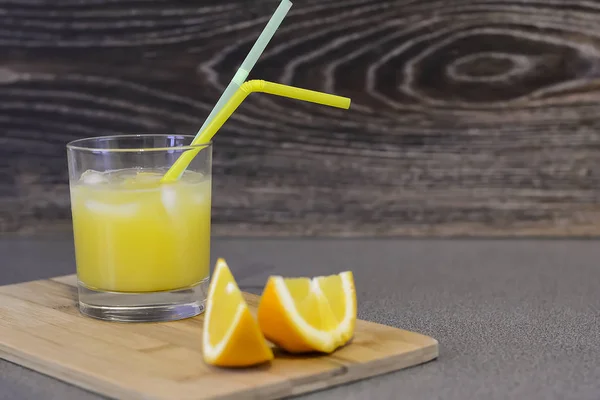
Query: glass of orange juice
x=142, y=247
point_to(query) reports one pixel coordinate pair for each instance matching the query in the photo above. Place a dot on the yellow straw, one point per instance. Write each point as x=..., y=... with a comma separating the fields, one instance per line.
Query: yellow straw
x=217, y=122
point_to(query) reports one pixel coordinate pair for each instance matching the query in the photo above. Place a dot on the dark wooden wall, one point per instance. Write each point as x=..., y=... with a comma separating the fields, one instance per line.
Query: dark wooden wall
x=470, y=117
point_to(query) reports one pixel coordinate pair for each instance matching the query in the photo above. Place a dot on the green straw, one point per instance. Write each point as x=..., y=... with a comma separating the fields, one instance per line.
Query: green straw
x=242, y=73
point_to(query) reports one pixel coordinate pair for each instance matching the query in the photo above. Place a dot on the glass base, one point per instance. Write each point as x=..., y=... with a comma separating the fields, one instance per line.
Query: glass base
x=144, y=307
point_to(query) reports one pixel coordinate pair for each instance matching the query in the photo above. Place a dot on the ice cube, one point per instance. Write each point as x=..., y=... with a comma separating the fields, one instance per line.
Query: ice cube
x=199, y=198
x=91, y=177
x=169, y=198
x=119, y=210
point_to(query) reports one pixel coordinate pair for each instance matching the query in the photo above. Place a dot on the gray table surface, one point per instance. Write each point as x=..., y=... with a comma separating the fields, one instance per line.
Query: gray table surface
x=516, y=319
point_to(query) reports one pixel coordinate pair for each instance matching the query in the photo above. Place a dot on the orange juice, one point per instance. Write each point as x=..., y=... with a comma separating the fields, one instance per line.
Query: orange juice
x=134, y=234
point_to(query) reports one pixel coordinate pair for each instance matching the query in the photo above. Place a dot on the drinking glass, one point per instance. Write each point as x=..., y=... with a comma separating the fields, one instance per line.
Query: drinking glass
x=142, y=247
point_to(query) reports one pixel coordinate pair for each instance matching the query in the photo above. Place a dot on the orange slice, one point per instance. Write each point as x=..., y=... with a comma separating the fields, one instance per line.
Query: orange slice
x=231, y=336
x=304, y=315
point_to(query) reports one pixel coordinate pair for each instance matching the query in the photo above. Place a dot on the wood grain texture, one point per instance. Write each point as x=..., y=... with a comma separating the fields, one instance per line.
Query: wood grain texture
x=41, y=328
x=469, y=117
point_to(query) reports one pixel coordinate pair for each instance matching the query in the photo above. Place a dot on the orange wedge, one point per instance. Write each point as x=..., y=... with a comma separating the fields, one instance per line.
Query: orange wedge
x=231, y=336
x=305, y=315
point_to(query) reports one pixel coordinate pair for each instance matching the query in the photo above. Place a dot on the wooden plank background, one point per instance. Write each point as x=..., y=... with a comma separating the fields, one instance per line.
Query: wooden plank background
x=469, y=117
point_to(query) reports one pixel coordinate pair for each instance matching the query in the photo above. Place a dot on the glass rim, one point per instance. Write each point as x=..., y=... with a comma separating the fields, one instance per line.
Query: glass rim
x=76, y=144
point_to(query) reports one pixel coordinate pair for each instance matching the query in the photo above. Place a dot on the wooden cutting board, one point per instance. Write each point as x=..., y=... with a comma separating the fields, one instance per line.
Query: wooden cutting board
x=41, y=328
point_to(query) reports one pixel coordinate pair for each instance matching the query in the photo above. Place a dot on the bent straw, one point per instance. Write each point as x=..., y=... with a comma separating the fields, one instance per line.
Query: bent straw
x=249, y=87
x=256, y=51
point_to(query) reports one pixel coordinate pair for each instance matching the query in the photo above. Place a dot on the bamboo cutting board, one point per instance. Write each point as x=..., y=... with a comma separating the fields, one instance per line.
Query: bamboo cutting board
x=41, y=328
